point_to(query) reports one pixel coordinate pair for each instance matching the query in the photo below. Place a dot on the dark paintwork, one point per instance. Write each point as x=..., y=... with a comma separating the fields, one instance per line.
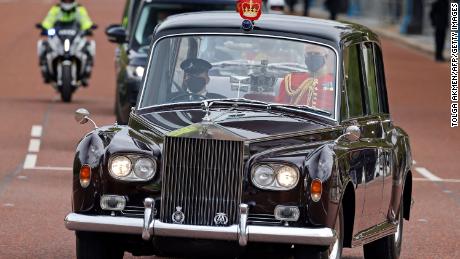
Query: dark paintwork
x=275, y=23
x=367, y=177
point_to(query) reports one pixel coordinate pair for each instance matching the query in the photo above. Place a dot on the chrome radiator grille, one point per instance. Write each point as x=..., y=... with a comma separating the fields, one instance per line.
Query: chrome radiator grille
x=203, y=177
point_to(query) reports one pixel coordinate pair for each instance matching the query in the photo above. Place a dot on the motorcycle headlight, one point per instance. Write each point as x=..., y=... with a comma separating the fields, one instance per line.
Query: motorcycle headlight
x=120, y=166
x=275, y=176
x=145, y=168
x=51, y=32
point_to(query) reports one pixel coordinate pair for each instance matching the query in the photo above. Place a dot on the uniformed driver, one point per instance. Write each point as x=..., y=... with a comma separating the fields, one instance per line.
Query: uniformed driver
x=196, y=79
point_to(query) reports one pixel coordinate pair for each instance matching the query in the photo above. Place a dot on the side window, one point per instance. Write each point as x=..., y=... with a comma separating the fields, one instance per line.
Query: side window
x=370, y=77
x=353, y=82
x=382, y=89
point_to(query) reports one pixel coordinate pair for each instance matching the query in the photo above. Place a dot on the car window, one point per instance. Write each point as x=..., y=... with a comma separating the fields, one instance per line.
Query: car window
x=272, y=70
x=370, y=77
x=153, y=14
x=353, y=81
x=381, y=80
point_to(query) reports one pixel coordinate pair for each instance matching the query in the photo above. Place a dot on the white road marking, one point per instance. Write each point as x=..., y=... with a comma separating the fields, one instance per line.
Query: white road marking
x=414, y=162
x=36, y=131
x=423, y=220
x=34, y=145
x=50, y=168
x=427, y=174
x=8, y=205
x=440, y=180
x=22, y=177
x=31, y=160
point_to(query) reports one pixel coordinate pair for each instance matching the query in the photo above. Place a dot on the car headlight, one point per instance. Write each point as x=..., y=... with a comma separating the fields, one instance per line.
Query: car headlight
x=132, y=168
x=120, y=166
x=275, y=176
x=135, y=71
x=145, y=168
x=287, y=176
x=263, y=176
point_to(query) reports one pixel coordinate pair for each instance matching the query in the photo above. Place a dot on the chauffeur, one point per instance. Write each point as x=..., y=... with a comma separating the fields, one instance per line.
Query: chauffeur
x=196, y=78
x=314, y=88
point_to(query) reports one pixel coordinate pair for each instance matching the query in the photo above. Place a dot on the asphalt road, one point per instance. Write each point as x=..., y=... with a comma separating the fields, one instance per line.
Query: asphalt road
x=39, y=131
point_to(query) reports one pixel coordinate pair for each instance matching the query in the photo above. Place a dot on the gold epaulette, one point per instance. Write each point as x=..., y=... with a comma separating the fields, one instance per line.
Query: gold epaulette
x=306, y=87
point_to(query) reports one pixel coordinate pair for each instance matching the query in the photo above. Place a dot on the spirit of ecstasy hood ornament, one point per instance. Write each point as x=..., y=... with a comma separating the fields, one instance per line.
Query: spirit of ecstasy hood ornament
x=205, y=105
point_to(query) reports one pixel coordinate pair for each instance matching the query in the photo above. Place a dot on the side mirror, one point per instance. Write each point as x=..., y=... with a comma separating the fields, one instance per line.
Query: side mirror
x=82, y=116
x=116, y=33
x=352, y=133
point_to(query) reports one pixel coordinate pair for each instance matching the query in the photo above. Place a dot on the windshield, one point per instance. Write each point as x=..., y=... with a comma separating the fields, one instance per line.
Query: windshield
x=266, y=69
x=153, y=14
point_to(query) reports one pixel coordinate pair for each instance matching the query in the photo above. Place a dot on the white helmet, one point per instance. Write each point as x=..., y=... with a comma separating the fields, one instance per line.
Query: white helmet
x=67, y=5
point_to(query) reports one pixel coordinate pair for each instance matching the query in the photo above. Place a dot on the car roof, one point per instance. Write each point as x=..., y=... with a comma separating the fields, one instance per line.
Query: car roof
x=334, y=31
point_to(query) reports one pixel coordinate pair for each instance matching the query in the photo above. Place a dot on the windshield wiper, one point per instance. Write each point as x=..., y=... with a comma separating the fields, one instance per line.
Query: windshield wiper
x=237, y=101
x=301, y=108
x=269, y=106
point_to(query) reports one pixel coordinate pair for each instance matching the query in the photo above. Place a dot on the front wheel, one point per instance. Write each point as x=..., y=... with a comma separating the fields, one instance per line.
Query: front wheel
x=388, y=247
x=332, y=252
x=66, y=87
x=96, y=246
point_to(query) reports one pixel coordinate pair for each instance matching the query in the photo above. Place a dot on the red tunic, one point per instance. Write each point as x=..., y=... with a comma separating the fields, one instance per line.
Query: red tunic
x=299, y=88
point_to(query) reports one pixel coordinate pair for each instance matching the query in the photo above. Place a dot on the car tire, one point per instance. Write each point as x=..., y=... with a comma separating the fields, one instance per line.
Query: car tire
x=66, y=88
x=332, y=252
x=91, y=245
x=388, y=247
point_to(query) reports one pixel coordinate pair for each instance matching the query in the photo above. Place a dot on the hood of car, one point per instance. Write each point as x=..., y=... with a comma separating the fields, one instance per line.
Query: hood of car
x=230, y=124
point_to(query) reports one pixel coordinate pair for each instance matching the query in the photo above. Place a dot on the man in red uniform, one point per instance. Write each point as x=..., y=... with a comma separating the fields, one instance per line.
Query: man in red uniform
x=315, y=88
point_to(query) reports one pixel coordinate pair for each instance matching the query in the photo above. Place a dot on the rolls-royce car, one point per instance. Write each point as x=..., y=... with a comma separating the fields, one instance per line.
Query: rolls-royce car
x=249, y=138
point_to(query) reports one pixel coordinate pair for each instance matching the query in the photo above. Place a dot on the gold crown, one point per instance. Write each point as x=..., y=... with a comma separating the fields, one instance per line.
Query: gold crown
x=250, y=9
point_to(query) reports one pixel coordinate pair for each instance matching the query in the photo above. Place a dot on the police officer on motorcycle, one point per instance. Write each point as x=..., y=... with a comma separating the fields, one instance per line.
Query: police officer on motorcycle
x=67, y=11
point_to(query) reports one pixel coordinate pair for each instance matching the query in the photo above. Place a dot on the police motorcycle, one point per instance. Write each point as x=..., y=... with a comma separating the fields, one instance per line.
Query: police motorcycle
x=66, y=57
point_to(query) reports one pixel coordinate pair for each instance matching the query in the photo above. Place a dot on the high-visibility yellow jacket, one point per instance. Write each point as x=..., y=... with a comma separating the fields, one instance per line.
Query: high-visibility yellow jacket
x=55, y=14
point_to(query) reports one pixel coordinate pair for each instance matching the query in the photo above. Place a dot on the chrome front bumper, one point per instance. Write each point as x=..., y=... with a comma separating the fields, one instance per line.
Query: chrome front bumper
x=148, y=227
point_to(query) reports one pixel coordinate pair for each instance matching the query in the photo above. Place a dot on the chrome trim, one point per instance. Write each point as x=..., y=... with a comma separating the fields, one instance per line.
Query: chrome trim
x=337, y=74
x=149, y=204
x=292, y=235
x=189, y=164
x=242, y=226
x=159, y=228
x=373, y=233
x=270, y=234
x=125, y=225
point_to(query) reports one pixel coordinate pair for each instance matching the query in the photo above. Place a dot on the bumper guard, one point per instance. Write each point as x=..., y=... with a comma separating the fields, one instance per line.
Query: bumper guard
x=243, y=233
